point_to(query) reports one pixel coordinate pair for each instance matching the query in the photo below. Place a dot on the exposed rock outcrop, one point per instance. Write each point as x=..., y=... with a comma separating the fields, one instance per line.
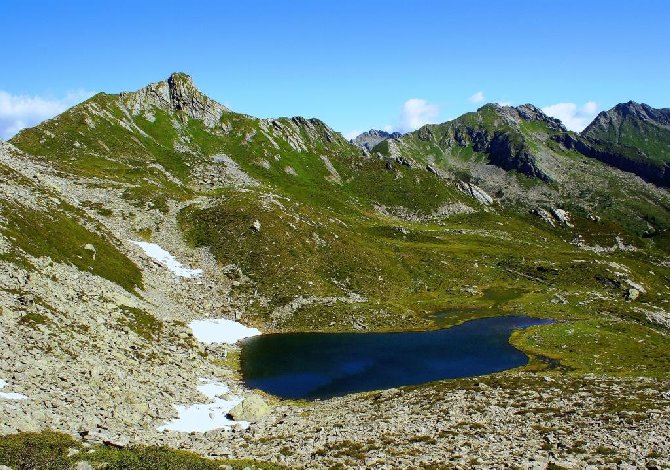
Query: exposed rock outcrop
x=251, y=409
x=476, y=192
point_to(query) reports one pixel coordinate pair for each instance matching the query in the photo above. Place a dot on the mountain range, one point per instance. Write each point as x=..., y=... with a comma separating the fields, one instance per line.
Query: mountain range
x=499, y=211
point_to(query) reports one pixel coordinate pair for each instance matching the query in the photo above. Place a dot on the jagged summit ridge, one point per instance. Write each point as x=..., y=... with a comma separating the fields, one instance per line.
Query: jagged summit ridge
x=530, y=112
x=642, y=111
x=514, y=115
x=176, y=94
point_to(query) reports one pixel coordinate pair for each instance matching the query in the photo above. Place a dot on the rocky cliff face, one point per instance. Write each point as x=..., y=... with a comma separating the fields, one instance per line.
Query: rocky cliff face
x=626, y=158
x=373, y=137
x=531, y=113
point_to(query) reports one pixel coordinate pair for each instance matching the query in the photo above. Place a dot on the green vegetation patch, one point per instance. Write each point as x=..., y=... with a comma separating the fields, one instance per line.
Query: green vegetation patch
x=637, y=134
x=50, y=450
x=611, y=347
x=142, y=323
x=33, y=319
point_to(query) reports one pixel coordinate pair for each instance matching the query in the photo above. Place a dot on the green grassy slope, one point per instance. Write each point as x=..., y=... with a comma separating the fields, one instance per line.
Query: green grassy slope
x=60, y=232
x=578, y=183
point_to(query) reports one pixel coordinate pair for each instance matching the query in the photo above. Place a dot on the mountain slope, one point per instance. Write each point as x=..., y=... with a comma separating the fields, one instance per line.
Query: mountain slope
x=160, y=139
x=496, y=134
x=310, y=173
x=631, y=136
x=306, y=215
x=309, y=218
x=634, y=125
x=528, y=160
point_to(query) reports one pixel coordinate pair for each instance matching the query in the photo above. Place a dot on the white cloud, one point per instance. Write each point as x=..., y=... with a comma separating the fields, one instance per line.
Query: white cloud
x=352, y=134
x=590, y=107
x=415, y=113
x=19, y=111
x=477, y=97
x=574, y=117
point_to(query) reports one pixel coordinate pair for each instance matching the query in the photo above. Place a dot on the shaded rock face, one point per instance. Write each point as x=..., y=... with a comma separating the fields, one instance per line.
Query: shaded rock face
x=369, y=139
x=510, y=155
x=622, y=157
x=504, y=150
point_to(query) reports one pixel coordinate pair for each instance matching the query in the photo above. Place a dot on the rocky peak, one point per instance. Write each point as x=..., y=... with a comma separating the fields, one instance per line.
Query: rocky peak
x=373, y=137
x=641, y=111
x=513, y=116
x=382, y=134
x=632, y=108
x=529, y=112
x=495, y=131
x=630, y=111
x=177, y=95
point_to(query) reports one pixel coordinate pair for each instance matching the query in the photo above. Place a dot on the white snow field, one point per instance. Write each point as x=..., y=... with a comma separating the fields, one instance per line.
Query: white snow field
x=11, y=395
x=155, y=252
x=204, y=417
x=220, y=330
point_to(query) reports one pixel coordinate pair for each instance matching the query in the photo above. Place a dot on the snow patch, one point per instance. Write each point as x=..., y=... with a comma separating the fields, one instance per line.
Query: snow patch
x=162, y=256
x=221, y=330
x=205, y=417
x=11, y=395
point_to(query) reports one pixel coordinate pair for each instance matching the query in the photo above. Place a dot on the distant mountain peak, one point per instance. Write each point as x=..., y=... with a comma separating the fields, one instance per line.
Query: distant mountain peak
x=175, y=94
x=610, y=121
x=633, y=137
x=643, y=111
x=369, y=139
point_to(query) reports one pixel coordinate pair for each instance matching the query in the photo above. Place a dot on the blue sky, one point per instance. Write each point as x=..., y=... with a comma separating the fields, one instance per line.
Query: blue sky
x=354, y=64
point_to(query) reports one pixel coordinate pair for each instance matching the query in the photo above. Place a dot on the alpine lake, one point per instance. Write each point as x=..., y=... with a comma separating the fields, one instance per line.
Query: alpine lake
x=324, y=365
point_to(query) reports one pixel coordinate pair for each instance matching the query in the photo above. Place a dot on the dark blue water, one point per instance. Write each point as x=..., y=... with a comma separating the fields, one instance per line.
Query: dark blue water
x=323, y=365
